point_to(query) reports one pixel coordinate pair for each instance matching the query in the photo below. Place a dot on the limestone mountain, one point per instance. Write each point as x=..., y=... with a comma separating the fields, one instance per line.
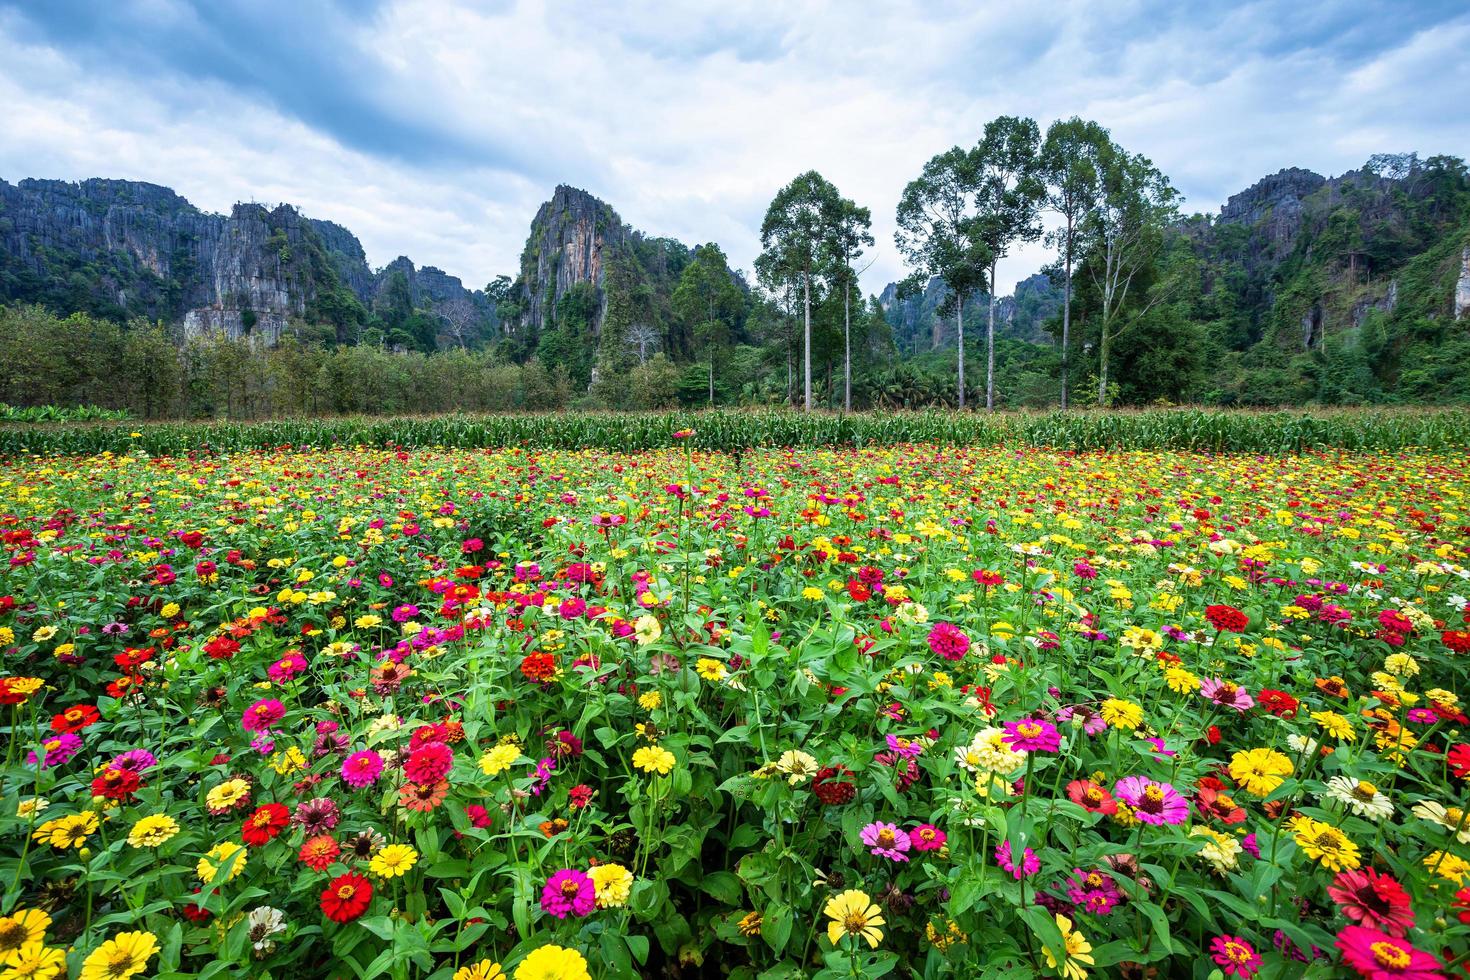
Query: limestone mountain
x=122, y=249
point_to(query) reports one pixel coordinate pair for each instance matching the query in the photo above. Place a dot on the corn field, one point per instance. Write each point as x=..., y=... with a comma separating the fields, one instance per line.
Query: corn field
x=734, y=431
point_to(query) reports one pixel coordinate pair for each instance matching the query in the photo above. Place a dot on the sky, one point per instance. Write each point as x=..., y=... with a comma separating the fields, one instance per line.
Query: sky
x=434, y=129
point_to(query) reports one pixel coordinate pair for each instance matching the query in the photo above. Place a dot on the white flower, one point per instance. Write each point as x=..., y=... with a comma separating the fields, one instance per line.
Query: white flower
x=1450, y=818
x=1359, y=796
x=1458, y=602
x=265, y=922
x=1302, y=745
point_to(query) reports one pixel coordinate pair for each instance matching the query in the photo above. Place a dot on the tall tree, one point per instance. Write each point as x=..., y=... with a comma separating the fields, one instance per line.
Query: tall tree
x=796, y=231
x=938, y=235
x=1124, y=237
x=1070, y=169
x=850, y=234
x=1008, y=191
x=709, y=302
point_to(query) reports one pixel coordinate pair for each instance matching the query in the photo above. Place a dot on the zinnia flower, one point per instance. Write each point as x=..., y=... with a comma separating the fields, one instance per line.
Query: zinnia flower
x=1152, y=802
x=1372, y=899
x=1259, y=771
x=1029, y=864
x=1379, y=956
x=853, y=914
x=569, y=891
x=1234, y=955
x=346, y=897
x=613, y=884
x=886, y=840
x=362, y=768
x=1076, y=954
x=1032, y=735
x=553, y=963
x=124, y=955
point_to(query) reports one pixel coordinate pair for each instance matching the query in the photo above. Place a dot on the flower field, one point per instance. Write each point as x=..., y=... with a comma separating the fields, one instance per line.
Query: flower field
x=897, y=710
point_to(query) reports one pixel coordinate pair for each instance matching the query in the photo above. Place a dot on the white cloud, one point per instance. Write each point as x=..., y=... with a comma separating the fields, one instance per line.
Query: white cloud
x=687, y=121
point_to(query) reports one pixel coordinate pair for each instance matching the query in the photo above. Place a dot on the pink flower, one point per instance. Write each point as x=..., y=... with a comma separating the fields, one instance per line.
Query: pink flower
x=948, y=641
x=362, y=768
x=286, y=668
x=1378, y=956
x=927, y=837
x=55, y=750
x=1234, y=955
x=261, y=715
x=568, y=891
x=1030, y=863
x=1032, y=735
x=1152, y=802
x=886, y=840
x=1227, y=694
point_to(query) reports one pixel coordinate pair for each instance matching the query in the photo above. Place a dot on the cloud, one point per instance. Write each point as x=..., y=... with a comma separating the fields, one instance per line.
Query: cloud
x=435, y=130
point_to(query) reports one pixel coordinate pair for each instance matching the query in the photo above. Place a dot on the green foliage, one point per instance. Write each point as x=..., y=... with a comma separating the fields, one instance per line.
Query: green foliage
x=732, y=431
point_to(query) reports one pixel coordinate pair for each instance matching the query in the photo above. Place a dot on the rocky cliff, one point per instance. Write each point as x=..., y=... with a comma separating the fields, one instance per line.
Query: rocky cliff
x=573, y=238
x=122, y=249
x=918, y=327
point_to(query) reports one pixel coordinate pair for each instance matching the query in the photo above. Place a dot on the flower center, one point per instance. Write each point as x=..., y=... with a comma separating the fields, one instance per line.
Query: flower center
x=262, y=819
x=1029, y=729
x=885, y=837
x=570, y=888
x=119, y=964
x=1365, y=790
x=1237, y=952
x=1391, y=955
x=855, y=922
x=345, y=892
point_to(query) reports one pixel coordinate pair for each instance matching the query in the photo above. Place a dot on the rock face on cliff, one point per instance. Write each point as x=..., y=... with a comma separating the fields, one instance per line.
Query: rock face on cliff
x=918, y=327
x=1273, y=205
x=123, y=248
x=1462, y=286
x=574, y=236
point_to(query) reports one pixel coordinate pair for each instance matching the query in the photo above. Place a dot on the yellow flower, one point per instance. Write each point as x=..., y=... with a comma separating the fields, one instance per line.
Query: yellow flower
x=812, y=594
x=1122, y=715
x=797, y=765
x=169, y=611
x=646, y=630
x=654, y=758
x=71, y=831
x=650, y=700
x=367, y=622
x=1076, y=955
x=553, y=963
x=393, y=860
x=227, y=794
x=1449, y=866
x=33, y=961
x=499, y=759
x=1259, y=771
x=122, y=956
x=710, y=669
x=1325, y=844
x=1221, y=850
x=1180, y=681
x=483, y=970
x=227, y=857
x=1335, y=725
x=153, y=831
x=613, y=884
x=31, y=806
x=21, y=927
x=288, y=761
x=854, y=914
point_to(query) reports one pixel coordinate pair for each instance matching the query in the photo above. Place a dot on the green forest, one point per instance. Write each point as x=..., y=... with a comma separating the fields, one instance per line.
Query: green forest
x=1303, y=290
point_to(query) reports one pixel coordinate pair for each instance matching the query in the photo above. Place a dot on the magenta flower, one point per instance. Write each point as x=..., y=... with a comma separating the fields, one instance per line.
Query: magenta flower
x=927, y=837
x=905, y=748
x=1152, y=802
x=1080, y=714
x=317, y=816
x=1234, y=955
x=568, y=891
x=286, y=668
x=362, y=768
x=1227, y=694
x=1032, y=735
x=886, y=840
x=949, y=641
x=1030, y=863
x=261, y=715
x=138, y=760
x=1093, y=891
x=55, y=750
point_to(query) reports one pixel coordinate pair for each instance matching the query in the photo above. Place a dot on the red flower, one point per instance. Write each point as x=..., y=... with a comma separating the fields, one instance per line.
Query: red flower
x=318, y=852
x=268, y=820
x=429, y=763
x=1227, y=619
x=1456, y=640
x=1279, y=703
x=1373, y=899
x=75, y=718
x=1091, y=797
x=116, y=784
x=538, y=667
x=347, y=897
x=829, y=787
x=222, y=648
x=1459, y=760
x=580, y=795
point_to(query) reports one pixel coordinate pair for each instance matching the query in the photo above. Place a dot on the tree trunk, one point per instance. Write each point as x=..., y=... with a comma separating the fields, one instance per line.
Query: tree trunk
x=712, y=377
x=959, y=311
x=846, y=349
x=1066, y=309
x=990, y=347
x=806, y=304
x=1102, y=371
